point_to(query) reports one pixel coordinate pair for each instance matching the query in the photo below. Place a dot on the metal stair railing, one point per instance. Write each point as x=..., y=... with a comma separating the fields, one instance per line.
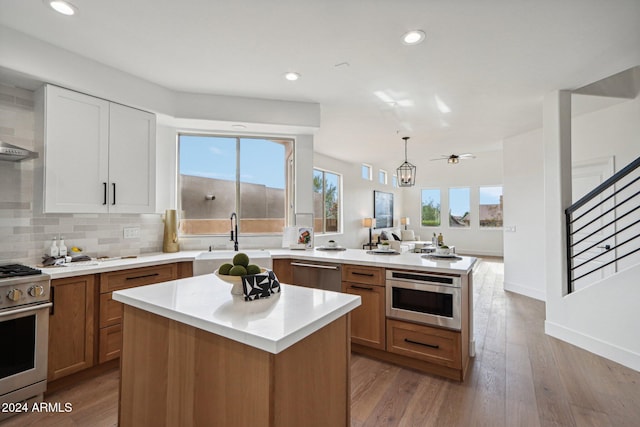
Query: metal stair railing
x=610, y=212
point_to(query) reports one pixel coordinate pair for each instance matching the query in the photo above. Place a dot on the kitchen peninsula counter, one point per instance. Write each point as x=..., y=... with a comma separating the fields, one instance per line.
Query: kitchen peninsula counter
x=193, y=354
x=405, y=260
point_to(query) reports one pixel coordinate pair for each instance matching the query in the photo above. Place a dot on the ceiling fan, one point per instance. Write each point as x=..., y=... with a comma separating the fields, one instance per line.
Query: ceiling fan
x=455, y=158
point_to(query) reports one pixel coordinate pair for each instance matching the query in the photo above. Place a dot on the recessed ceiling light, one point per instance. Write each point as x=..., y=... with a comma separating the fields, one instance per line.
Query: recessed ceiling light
x=63, y=7
x=413, y=37
x=291, y=76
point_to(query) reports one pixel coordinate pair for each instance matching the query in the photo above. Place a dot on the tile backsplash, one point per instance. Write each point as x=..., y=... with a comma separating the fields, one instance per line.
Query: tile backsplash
x=24, y=234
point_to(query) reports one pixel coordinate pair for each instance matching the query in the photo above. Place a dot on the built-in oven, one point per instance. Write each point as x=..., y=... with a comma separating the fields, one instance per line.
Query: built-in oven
x=427, y=298
x=24, y=328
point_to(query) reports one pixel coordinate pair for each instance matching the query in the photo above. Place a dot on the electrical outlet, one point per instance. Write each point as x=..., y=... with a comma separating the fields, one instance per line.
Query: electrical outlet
x=131, y=232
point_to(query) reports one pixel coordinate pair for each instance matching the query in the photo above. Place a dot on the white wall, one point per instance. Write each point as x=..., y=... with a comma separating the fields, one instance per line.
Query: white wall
x=524, y=211
x=36, y=62
x=484, y=170
x=597, y=318
x=357, y=200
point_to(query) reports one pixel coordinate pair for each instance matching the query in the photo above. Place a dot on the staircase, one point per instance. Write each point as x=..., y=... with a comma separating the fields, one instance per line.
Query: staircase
x=603, y=229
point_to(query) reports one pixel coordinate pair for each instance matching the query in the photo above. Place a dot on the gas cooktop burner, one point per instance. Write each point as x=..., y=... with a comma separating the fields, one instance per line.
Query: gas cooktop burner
x=16, y=270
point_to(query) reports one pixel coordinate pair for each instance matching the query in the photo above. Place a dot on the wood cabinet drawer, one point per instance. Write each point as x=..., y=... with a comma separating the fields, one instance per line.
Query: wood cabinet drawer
x=433, y=345
x=110, y=343
x=123, y=279
x=110, y=310
x=363, y=274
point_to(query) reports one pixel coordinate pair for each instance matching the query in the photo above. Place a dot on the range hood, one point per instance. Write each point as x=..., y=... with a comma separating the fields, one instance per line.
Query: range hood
x=13, y=153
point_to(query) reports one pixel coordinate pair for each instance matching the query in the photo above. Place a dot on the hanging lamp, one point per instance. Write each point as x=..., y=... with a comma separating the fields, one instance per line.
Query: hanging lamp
x=406, y=172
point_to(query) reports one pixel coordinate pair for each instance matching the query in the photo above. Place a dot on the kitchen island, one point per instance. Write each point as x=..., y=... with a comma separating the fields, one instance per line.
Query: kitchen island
x=193, y=354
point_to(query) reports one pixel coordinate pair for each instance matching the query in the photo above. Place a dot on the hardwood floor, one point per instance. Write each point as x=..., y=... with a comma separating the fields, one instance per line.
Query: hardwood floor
x=519, y=377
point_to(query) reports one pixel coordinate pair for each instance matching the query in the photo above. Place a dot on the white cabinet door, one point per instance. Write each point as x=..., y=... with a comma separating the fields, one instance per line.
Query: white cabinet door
x=132, y=148
x=76, y=152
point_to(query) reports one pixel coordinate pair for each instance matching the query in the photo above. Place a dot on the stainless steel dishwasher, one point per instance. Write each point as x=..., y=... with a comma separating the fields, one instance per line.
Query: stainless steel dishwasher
x=317, y=275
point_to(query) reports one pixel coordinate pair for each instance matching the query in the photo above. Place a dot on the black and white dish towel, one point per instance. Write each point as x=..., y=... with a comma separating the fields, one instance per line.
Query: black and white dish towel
x=263, y=285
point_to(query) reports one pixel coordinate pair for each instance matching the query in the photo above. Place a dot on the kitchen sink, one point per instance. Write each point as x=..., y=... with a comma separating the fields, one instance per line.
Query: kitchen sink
x=208, y=262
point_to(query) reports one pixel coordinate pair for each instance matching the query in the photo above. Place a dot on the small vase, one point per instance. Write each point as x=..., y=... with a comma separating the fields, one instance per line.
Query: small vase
x=170, y=240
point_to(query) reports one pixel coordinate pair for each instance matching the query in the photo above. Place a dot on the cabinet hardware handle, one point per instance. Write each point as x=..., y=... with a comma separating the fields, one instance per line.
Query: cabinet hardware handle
x=104, y=193
x=114, y=193
x=421, y=343
x=356, y=273
x=53, y=298
x=143, y=276
x=327, y=267
x=364, y=288
x=605, y=247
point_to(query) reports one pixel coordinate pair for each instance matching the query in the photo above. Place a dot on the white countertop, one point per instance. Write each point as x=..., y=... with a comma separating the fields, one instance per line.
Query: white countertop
x=271, y=324
x=112, y=264
x=406, y=260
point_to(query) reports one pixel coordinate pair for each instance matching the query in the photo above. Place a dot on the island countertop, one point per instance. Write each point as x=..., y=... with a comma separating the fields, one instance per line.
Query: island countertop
x=270, y=324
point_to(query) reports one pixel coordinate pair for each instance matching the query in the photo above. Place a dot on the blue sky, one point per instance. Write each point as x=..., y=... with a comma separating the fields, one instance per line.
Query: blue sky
x=215, y=157
x=490, y=195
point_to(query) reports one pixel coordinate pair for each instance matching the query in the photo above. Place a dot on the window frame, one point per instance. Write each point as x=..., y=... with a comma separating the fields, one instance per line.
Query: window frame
x=340, y=203
x=467, y=227
x=382, y=177
x=489, y=228
x=369, y=171
x=289, y=178
x=439, y=190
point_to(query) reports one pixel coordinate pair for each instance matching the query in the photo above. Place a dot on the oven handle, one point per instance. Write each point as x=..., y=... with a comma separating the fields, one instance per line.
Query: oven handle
x=326, y=267
x=25, y=309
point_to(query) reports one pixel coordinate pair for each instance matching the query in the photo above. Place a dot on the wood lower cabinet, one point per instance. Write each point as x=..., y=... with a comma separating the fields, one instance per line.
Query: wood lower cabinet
x=71, y=326
x=110, y=323
x=435, y=345
x=368, y=320
x=282, y=269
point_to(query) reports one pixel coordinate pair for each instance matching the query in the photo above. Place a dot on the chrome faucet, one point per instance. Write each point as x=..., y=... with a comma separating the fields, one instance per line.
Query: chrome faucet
x=234, y=231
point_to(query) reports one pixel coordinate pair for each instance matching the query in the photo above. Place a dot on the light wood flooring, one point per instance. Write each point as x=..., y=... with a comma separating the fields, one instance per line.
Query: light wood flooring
x=519, y=377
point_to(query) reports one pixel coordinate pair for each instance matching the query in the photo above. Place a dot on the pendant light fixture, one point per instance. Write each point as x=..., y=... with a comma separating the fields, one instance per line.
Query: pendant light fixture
x=406, y=172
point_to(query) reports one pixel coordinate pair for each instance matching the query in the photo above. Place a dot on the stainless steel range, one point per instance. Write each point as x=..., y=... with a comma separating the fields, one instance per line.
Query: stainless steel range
x=24, y=329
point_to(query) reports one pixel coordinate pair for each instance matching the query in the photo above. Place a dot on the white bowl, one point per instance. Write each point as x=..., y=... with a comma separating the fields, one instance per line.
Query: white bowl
x=384, y=247
x=443, y=251
x=236, y=281
x=331, y=244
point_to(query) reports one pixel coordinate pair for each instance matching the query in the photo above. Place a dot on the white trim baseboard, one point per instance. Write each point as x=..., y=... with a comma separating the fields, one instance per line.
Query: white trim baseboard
x=527, y=291
x=599, y=347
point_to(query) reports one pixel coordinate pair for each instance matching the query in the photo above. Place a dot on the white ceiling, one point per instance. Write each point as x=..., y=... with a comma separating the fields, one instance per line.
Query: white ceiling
x=490, y=61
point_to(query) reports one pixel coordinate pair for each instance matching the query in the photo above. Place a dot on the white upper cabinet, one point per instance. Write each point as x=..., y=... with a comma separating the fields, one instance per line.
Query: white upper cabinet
x=132, y=160
x=99, y=156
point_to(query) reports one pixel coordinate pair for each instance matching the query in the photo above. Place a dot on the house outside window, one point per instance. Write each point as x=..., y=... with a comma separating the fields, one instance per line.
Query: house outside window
x=367, y=172
x=218, y=175
x=430, y=207
x=459, y=207
x=394, y=179
x=327, y=201
x=490, y=209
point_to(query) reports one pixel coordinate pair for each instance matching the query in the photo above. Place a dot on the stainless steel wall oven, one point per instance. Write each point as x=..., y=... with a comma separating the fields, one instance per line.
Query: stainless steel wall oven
x=427, y=298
